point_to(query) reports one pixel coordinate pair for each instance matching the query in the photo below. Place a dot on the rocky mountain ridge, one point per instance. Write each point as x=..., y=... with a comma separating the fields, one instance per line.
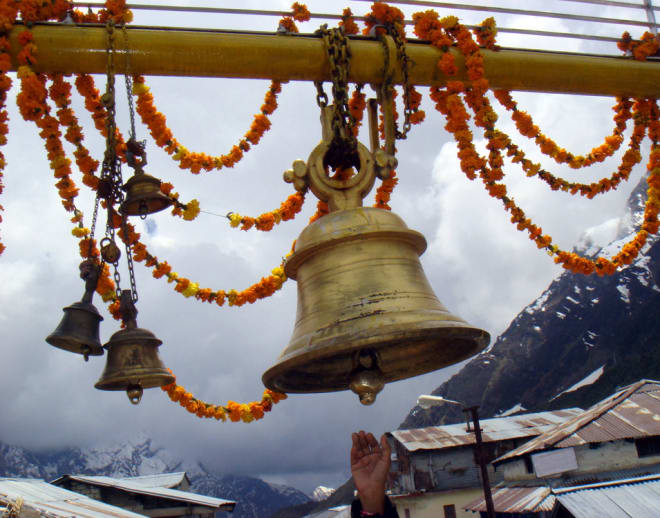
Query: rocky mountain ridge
x=597, y=332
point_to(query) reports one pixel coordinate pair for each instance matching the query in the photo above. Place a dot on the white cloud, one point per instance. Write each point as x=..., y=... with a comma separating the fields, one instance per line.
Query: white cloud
x=479, y=265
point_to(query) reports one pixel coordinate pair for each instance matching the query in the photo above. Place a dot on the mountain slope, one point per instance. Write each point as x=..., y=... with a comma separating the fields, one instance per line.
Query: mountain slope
x=607, y=327
x=255, y=498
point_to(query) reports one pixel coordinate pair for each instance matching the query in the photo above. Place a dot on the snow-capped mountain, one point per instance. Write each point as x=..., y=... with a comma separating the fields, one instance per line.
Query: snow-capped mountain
x=321, y=493
x=579, y=340
x=255, y=498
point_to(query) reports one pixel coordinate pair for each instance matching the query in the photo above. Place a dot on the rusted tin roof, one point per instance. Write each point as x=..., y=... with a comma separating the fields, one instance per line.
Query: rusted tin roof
x=127, y=484
x=55, y=502
x=517, y=500
x=495, y=429
x=632, y=412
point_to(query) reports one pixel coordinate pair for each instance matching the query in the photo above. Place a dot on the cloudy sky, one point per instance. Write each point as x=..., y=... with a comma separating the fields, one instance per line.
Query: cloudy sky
x=479, y=265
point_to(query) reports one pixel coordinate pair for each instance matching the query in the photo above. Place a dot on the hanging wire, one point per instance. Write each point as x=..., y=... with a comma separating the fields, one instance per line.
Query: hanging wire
x=612, y=3
x=645, y=5
x=521, y=12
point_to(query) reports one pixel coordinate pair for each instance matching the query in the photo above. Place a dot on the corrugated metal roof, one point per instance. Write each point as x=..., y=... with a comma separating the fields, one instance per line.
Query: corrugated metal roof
x=495, y=429
x=517, y=500
x=621, y=499
x=163, y=480
x=342, y=511
x=127, y=484
x=57, y=502
x=630, y=413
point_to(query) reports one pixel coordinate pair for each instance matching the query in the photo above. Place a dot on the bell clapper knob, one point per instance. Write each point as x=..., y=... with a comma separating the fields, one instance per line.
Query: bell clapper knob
x=85, y=352
x=134, y=393
x=366, y=379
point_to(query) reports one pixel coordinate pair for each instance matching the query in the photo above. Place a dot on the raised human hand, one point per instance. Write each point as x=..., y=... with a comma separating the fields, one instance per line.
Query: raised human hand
x=370, y=464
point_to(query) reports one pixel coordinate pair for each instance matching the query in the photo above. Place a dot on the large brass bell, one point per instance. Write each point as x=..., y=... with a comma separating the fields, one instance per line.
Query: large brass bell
x=78, y=331
x=133, y=363
x=143, y=194
x=366, y=312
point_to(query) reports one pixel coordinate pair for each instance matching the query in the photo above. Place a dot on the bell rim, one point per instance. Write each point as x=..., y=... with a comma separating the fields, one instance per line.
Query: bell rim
x=152, y=380
x=94, y=350
x=273, y=378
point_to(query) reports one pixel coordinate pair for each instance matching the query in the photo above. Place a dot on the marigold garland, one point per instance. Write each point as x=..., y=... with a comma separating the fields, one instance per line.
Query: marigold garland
x=287, y=211
x=245, y=412
x=527, y=128
x=194, y=161
x=647, y=46
x=630, y=158
x=442, y=32
x=348, y=22
x=8, y=12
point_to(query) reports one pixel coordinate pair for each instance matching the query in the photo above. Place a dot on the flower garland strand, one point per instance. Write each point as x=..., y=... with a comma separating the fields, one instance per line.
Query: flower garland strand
x=442, y=33
x=196, y=162
x=245, y=412
x=193, y=161
x=527, y=128
x=32, y=102
x=287, y=211
x=630, y=158
x=8, y=12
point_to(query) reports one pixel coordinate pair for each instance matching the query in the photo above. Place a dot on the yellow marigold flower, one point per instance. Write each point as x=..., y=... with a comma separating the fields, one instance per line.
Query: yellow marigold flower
x=235, y=219
x=246, y=414
x=191, y=290
x=191, y=211
x=24, y=71
x=278, y=272
x=172, y=276
x=140, y=88
x=59, y=161
x=231, y=296
x=181, y=151
x=80, y=232
x=108, y=295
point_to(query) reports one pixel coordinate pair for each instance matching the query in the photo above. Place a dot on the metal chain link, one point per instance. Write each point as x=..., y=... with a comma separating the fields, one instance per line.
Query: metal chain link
x=321, y=96
x=342, y=151
x=111, y=170
x=129, y=81
x=92, y=229
x=404, y=60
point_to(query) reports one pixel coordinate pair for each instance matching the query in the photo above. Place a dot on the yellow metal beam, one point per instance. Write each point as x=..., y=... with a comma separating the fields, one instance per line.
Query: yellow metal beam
x=176, y=52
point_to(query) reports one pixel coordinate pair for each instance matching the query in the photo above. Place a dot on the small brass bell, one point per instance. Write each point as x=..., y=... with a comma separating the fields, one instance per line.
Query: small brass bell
x=143, y=194
x=133, y=363
x=78, y=331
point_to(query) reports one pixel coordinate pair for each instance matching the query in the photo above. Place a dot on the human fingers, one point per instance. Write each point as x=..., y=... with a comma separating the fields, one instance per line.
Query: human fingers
x=363, y=442
x=372, y=444
x=385, y=445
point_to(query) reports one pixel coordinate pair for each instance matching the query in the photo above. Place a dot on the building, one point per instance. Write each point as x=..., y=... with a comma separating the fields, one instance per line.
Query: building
x=611, y=450
x=434, y=471
x=156, y=496
x=33, y=498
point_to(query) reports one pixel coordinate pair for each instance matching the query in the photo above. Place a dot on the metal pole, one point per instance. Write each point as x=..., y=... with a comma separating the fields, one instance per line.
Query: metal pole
x=650, y=15
x=485, y=482
x=81, y=49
